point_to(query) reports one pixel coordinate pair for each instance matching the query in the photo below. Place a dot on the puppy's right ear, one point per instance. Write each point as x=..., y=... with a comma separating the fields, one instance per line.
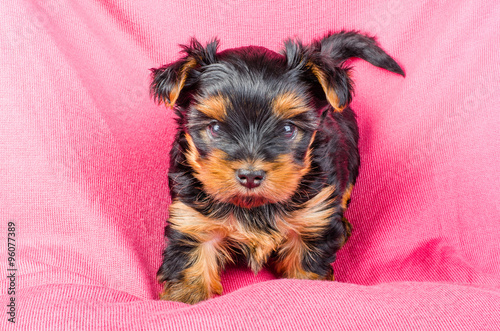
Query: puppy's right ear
x=169, y=81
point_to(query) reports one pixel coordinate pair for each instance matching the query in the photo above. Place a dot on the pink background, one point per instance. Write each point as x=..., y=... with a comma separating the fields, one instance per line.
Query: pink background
x=84, y=160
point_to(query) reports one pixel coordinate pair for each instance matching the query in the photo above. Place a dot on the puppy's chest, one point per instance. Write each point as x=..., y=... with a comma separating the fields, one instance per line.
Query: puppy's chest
x=240, y=230
x=255, y=234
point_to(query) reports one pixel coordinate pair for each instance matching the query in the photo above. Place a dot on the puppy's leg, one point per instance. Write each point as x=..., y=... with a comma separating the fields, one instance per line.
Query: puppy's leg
x=192, y=261
x=301, y=259
x=309, y=256
x=189, y=274
x=314, y=234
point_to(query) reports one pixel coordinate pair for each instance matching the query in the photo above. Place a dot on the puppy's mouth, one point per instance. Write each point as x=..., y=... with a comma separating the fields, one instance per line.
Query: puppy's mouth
x=248, y=201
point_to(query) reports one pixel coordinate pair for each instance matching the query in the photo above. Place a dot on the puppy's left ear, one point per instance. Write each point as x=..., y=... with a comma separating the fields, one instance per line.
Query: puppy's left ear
x=171, y=81
x=326, y=58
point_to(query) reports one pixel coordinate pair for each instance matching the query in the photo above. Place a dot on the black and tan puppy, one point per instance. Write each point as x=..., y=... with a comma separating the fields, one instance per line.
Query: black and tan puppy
x=264, y=160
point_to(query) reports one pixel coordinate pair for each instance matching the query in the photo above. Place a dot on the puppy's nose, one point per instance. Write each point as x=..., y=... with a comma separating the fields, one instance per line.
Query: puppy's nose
x=250, y=178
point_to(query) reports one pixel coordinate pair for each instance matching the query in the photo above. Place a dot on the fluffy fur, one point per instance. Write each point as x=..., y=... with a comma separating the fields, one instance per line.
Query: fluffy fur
x=264, y=160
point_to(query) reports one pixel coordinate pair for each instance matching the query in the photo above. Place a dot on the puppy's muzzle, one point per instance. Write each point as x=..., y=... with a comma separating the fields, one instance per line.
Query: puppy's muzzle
x=250, y=178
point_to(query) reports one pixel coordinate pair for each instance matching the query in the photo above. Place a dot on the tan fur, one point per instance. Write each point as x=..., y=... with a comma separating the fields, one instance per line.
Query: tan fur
x=306, y=223
x=174, y=94
x=202, y=279
x=219, y=177
x=329, y=90
x=214, y=107
x=218, y=232
x=288, y=105
x=346, y=196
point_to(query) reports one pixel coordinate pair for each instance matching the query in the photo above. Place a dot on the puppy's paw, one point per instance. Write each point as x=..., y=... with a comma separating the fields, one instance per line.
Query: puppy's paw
x=188, y=292
x=192, y=285
x=300, y=273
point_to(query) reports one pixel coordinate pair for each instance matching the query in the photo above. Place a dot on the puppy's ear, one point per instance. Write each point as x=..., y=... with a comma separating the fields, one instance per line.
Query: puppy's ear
x=335, y=81
x=309, y=62
x=171, y=80
x=327, y=57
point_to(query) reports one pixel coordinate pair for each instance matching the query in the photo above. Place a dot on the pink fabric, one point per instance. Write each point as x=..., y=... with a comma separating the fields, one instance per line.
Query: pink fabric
x=84, y=155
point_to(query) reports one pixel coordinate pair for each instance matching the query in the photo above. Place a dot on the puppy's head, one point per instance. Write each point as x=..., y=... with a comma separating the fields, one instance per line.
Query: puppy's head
x=248, y=116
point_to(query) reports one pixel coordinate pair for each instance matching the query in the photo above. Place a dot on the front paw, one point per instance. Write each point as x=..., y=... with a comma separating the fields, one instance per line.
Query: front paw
x=194, y=286
x=300, y=273
x=184, y=292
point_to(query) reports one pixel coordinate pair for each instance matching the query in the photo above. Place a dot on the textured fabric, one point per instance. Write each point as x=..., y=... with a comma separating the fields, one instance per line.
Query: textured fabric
x=84, y=160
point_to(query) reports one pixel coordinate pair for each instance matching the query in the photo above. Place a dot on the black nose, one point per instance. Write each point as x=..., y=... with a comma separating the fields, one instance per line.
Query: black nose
x=250, y=178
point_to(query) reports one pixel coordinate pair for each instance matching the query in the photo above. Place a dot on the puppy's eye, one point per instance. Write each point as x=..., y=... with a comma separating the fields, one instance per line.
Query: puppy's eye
x=289, y=131
x=213, y=129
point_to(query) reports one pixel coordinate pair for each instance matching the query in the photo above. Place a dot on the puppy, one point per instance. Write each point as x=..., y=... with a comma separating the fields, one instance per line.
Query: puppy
x=264, y=160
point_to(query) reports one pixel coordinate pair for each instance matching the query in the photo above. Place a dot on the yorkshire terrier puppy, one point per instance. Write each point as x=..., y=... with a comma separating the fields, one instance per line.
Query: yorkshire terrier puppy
x=264, y=160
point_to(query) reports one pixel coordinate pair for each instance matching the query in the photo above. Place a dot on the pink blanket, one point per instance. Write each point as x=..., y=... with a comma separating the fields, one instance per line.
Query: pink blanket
x=84, y=160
